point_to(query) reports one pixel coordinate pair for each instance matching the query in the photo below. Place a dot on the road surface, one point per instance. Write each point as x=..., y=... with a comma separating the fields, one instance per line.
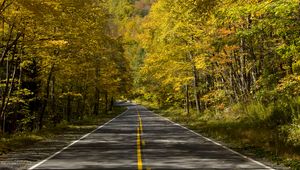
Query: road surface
x=139, y=139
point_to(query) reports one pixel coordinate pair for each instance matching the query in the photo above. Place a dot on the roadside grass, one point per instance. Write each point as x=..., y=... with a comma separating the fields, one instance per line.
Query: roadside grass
x=21, y=140
x=251, y=129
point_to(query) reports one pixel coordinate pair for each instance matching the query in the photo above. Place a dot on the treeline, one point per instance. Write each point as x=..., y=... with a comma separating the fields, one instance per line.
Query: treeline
x=60, y=60
x=212, y=54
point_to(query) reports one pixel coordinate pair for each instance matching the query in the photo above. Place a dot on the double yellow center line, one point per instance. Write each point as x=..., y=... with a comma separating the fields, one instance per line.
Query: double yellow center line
x=139, y=143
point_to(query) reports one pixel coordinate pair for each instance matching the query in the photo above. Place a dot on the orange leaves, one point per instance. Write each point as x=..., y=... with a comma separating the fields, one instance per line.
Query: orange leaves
x=224, y=32
x=225, y=55
x=231, y=48
x=289, y=85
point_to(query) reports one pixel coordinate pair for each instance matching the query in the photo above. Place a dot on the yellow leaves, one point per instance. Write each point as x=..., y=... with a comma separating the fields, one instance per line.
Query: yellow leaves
x=296, y=67
x=71, y=94
x=131, y=28
x=214, y=96
x=200, y=62
x=289, y=85
x=174, y=41
x=52, y=3
x=55, y=43
x=179, y=82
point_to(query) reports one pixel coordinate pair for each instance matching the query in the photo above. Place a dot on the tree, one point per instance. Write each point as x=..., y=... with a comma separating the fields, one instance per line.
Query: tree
x=60, y=60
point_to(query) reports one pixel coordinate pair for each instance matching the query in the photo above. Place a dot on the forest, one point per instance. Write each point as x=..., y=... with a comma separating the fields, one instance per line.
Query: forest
x=212, y=54
x=60, y=60
x=218, y=64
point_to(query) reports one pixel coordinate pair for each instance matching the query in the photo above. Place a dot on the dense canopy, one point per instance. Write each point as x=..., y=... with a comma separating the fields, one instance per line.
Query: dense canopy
x=63, y=60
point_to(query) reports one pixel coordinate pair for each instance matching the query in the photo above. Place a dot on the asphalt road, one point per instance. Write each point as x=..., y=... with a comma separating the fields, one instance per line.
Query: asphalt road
x=139, y=139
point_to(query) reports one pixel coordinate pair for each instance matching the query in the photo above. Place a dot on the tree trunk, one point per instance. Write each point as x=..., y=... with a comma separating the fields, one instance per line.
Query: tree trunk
x=8, y=97
x=106, y=102
x=8, y=89
x=78, y=109
x=187, y=99
x=53, y=103
x=9, y=45
x=97, y=92
x=111, y=104
x=195, y=85
x=69, y=108
x=97, y=98
x=196, y=90
x=42, y=113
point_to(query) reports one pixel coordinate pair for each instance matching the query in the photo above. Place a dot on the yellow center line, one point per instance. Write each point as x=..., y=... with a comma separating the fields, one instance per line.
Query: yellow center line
x=141, y=124
x=139, y=143
x=139, y=150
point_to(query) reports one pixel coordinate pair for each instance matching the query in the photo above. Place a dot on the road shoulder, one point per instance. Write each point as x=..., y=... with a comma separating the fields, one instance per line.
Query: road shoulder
x=28, y=156
x=229, y=146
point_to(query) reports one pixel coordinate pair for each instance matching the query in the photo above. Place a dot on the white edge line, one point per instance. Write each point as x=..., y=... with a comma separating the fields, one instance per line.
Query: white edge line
x=66, y=147
x=216, y=143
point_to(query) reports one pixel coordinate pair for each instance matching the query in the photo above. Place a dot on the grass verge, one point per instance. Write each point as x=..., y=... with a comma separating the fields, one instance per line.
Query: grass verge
x=247, y=132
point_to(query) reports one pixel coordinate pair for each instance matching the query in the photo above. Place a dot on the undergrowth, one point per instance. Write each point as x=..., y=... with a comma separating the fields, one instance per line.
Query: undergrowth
x=266, y=131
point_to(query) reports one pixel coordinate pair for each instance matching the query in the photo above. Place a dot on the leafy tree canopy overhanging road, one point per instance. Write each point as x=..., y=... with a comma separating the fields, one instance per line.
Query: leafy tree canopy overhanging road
x=64, y=60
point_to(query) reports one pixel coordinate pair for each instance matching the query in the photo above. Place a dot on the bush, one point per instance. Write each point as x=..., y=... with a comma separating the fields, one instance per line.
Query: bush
x=284, y=112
